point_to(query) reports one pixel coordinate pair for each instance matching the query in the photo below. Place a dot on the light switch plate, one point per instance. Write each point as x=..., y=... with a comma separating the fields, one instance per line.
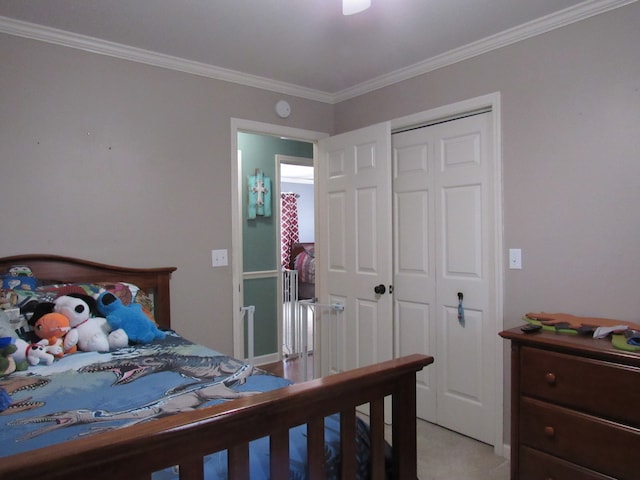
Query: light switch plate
x=515, y=258
x=219, y=258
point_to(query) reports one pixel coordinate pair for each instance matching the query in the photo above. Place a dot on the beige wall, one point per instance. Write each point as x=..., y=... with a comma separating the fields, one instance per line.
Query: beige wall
x=130, y=164
x=571, y=161
x=571, y=158
x=127, y=164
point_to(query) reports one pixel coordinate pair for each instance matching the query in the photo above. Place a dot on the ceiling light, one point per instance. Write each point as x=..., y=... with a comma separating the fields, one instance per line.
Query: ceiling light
x=349, y=7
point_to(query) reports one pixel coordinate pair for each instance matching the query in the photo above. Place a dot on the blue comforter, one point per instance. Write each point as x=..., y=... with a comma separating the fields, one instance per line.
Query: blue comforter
x=89, y=392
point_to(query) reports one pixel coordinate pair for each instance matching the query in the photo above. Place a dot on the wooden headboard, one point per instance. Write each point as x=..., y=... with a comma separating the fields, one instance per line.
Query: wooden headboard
x=154, y=281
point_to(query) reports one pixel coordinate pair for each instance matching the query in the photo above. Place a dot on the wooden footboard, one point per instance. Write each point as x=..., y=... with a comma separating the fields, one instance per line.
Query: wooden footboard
x=183, y=439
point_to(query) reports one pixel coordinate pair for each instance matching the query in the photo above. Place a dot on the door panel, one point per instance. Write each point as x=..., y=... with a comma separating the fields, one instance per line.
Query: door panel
x=466, y=379
x=462, y=242
x=414, y=267
x=415, y=334
x=444, y=236
x=354, y=175
x=444, y=173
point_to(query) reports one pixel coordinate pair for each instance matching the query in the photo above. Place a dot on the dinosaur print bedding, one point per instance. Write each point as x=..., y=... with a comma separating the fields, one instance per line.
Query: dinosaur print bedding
x=89, y=392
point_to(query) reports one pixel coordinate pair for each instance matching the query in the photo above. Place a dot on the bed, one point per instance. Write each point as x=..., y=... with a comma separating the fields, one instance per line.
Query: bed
x=302, y=259
x=182, y=444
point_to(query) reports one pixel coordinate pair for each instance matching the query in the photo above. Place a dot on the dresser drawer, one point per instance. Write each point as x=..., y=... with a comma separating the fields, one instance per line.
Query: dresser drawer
x=596, y=444
x=536, y=465
x=593, y=386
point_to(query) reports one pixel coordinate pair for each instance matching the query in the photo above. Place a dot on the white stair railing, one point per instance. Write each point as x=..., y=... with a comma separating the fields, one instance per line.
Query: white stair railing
x=309, y=315
x=289, y=312
x=250, y=332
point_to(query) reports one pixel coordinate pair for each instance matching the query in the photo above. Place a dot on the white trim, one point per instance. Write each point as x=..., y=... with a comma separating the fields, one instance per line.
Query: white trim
x=266, y=359
x=104, y=47
x=260, y=274
x=570, y=15
x=240, y=125
x=581, y=11
x=486, y=101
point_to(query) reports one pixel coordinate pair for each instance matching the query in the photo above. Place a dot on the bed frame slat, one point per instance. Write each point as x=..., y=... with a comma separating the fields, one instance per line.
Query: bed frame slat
x=279, y=454
x=315, y=449
x=348, y=443
x=376, y=415
x=167, y=441
x=238, y=462
x=192, y=469
x=404, y=429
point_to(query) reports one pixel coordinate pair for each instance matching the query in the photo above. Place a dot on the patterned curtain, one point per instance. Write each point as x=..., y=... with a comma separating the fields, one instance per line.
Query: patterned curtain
x=288, y=225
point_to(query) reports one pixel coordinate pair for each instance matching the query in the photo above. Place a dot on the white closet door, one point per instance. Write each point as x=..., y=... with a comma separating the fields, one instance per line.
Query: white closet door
x=444, y=238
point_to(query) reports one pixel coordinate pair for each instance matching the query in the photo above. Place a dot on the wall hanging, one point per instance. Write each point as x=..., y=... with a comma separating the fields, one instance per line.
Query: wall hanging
x=259, y=195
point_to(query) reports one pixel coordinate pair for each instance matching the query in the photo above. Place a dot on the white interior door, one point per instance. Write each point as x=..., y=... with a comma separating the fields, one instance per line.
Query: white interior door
x=444, y=238
x=353, y=253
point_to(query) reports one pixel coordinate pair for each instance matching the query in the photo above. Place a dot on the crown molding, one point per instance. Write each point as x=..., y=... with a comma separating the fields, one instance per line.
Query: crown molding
x=584, y=10
x=542, y=25
x=89, y=44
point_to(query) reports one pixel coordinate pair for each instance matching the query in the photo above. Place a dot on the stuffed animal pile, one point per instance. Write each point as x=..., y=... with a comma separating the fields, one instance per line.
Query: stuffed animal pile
x=65, y=324
x=87, y=333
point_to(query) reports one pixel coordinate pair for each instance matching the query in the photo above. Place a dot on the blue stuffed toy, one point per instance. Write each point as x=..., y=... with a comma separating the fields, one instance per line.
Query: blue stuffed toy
x=130, y=318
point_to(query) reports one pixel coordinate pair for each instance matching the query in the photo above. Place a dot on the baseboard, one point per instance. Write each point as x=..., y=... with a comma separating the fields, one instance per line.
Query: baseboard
x=265, y=359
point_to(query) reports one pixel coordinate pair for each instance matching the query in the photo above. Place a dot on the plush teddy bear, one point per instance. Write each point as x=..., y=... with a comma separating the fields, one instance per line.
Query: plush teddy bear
x=88, y=333
x=130, y=318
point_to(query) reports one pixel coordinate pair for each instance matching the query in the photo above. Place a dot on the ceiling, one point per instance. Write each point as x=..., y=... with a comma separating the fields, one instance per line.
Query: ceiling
x=301, y=47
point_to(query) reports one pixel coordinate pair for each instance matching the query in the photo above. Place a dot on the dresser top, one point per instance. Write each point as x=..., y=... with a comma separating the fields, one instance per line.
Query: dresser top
x=574, y=344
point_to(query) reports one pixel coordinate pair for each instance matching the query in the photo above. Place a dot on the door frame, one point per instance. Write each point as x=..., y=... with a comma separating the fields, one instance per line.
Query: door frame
x=489, y=101
x=451, y=111
x=260, y=128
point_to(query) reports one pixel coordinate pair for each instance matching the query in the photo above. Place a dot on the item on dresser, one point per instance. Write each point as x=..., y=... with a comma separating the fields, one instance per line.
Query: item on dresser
x=574, y=408
x=574, y=322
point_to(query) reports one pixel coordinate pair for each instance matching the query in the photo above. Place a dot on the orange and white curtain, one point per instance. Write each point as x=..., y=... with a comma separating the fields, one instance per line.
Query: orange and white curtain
x=288, y=225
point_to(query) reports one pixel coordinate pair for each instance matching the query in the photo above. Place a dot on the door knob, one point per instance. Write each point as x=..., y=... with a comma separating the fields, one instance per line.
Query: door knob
x=380, y=289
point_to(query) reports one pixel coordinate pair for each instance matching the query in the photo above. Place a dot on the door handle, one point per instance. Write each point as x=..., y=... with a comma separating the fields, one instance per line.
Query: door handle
x=460, y=309
x=379, y=289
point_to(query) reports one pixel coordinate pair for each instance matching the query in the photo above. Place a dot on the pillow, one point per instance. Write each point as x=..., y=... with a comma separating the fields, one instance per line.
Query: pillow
x=17, y=298
x=128, y=293
x=306, y=267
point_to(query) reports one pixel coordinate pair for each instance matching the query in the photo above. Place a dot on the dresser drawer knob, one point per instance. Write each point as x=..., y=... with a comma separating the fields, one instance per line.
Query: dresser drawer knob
x=549, y=432
x=550, y=378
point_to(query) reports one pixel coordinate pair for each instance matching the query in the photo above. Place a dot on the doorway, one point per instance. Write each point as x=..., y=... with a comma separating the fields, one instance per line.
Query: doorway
x=297, y=246
x=256, y=259
x=493, y=348
x=354, y=169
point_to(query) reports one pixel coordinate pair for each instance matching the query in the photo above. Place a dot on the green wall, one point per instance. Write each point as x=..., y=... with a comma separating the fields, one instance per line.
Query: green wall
x=261, y=245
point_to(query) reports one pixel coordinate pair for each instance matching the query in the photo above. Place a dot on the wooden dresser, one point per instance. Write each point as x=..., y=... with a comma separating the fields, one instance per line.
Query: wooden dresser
x=575, y=408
